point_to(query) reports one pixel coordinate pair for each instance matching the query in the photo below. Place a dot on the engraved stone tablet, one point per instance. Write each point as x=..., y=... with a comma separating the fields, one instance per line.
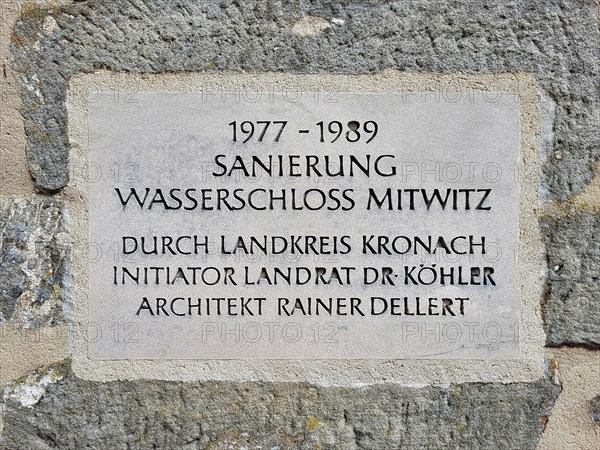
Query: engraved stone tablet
x=261, y=225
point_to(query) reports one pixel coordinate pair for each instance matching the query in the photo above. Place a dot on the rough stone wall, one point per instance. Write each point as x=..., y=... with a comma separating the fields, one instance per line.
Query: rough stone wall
x=572, y=310
x=218, y=415
x=558, y=41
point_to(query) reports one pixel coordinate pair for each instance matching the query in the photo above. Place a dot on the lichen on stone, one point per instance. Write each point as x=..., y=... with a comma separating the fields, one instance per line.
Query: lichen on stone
x=35, y=253
x=28, y=390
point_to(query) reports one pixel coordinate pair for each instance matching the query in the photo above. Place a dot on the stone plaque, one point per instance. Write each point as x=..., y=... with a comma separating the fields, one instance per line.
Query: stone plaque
x=312, y=225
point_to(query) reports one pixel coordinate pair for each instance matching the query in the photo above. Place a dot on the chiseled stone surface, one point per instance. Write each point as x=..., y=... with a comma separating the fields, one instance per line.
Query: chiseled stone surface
x=34, y=259
x=556, y=40
x=571, y=310
x=53, y=409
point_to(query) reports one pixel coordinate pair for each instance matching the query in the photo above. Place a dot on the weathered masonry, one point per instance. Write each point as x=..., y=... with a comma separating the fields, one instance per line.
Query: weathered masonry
x=300, y=225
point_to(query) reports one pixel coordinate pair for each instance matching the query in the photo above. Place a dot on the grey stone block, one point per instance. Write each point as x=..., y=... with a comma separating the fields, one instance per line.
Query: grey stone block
x=556, y=40
x=34, y=261
x=65, y=412
x=595, y=409
x=572, y=305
